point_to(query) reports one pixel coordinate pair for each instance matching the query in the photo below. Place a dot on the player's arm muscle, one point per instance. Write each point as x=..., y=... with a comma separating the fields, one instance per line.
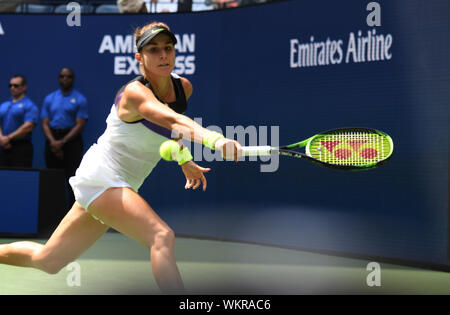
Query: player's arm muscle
x=139, y=102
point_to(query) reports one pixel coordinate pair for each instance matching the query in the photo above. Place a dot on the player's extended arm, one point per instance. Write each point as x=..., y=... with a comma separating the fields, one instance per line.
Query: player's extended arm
x=142, y=103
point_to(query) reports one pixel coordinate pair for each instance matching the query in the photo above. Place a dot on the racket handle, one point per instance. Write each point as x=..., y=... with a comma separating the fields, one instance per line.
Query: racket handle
x=256, y=150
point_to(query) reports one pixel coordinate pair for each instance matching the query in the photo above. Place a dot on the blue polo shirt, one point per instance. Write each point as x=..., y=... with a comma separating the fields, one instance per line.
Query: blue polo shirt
x=15, y=114
x=63, y=110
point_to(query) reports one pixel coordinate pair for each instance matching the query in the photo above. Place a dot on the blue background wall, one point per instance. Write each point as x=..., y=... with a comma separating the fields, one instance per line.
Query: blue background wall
x=12, y=183
x=243, y=77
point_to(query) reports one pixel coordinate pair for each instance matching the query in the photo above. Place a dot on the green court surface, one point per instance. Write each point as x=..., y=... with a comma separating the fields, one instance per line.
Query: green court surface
x=118, y=265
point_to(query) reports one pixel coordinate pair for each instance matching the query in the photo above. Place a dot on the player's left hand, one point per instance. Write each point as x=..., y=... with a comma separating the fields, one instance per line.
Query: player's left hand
x=194, y=175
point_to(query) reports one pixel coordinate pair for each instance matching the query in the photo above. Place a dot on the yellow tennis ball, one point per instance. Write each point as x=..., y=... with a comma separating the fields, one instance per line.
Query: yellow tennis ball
x=167, y=148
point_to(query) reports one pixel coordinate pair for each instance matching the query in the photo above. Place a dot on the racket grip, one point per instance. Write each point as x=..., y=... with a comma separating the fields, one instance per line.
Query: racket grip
x=256, y=150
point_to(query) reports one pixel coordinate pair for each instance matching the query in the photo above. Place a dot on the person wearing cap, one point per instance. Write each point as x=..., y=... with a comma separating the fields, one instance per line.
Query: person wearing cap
x=147, y=112
x=64, y=115
x=18, y=117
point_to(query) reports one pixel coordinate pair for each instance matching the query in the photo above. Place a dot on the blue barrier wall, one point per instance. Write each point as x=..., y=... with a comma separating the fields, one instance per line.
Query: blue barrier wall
x=20, y=216
x=249, y=67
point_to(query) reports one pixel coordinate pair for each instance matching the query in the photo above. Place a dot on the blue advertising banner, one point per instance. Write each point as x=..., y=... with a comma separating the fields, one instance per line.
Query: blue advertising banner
x=277, y=74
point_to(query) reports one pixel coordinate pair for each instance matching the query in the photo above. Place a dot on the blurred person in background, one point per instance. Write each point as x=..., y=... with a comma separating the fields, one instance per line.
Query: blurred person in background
x=132, y=6
x=224, y=4
x=162, y=6
x=184, y=6
x=10, y=6
x=64, y=115
x=18, y=117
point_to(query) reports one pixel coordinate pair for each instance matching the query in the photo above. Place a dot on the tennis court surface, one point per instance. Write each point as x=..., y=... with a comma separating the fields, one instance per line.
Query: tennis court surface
x=118, y=265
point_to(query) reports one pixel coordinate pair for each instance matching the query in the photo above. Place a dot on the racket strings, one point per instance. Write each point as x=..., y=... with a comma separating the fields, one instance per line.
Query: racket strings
x=350, y=148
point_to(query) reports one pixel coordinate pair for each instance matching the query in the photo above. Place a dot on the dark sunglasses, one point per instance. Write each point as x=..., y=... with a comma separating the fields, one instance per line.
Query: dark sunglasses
x=14, y=85
x=61, y=76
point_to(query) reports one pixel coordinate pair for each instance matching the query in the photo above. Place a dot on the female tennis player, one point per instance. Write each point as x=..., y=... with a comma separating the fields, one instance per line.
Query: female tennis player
x=145, y=112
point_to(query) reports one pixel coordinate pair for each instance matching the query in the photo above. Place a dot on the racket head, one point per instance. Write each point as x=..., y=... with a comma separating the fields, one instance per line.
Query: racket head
x=351, y=148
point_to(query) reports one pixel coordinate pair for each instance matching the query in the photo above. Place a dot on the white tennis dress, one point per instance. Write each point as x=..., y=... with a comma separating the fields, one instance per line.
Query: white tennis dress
x=123, y=156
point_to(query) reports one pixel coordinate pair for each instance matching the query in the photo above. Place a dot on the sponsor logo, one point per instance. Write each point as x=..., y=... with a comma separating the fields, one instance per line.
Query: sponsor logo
x=123, y=49
x=359, y=48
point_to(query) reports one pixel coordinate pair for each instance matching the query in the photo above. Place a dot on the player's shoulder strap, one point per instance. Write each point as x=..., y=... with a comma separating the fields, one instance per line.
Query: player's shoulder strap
x=180, y=104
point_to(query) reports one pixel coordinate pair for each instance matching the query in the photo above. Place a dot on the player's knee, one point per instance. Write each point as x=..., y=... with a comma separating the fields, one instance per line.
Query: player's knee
x=47, y=264
x=164, y=238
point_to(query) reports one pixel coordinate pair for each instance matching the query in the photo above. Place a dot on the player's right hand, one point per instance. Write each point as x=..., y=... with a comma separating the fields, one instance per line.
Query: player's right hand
x=231, y=149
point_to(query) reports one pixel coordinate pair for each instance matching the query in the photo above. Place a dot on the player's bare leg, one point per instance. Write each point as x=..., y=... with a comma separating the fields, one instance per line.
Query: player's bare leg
x=127, y=212
x=75, y=234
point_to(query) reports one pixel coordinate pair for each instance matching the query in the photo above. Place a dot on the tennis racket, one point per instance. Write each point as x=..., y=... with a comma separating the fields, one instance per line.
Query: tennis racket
x=344, y=148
